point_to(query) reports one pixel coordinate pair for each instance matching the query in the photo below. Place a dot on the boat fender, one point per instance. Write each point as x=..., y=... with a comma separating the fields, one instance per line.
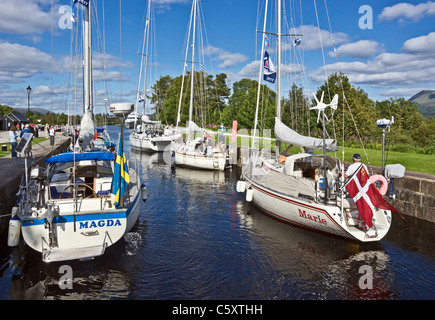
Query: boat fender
x=249, y=195
x=143, y=192
x=242, y=186
x=384, y=186
x=14, y=229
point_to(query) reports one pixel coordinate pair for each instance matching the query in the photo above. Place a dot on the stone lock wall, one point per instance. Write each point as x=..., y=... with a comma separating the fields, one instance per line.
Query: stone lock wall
x=415, y=196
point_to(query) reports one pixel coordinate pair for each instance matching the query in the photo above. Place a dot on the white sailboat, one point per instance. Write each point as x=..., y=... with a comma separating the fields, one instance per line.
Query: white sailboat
x=71, y=209
x=132, y=119
x=148, y=135
x=305, y=189
x=199, y=150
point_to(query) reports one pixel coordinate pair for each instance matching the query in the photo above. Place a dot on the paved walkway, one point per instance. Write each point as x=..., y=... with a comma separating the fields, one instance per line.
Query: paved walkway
x=11, y=169
x=40, y=149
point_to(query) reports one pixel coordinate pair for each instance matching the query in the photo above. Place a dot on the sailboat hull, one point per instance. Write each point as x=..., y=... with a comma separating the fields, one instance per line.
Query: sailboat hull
x=82, y=235
x=199, y=161
x=142, y=142
x=313, y=215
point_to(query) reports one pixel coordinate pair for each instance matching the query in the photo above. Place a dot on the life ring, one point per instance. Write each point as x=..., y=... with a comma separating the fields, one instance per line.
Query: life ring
x=384, y=186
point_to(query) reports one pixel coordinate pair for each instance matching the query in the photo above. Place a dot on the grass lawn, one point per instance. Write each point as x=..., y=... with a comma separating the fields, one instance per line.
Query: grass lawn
x=411, y=161
x=34, y=141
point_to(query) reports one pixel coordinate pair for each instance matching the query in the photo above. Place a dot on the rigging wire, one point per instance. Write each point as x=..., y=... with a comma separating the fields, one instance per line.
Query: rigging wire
x=345, y=101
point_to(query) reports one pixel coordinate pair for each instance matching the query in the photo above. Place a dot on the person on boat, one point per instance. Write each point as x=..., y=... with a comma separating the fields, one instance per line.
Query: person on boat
x=13, y=136
x=354, y=166
x=75, y=136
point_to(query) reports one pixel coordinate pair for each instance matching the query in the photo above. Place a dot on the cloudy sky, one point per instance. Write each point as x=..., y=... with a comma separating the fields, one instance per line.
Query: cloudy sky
x=385, y=47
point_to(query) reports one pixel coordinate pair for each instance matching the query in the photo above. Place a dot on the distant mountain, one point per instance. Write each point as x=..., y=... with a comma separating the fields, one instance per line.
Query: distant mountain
x=425, y=100
x=34, y=110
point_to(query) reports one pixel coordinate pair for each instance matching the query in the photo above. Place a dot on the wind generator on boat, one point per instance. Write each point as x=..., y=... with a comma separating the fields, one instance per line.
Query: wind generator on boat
x=82, y=201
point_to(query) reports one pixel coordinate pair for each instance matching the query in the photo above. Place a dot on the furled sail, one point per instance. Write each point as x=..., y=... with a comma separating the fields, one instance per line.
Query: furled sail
x=87, y=130
x=193, y=127
x=285, y=134
x=147, y=120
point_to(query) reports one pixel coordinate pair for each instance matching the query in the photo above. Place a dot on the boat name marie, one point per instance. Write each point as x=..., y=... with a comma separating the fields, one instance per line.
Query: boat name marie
x=305, y=215
x=100, y=223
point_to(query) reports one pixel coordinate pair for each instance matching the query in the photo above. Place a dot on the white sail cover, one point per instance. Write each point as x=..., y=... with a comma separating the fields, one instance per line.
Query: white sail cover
x=285, y=134
x=147, y=120
x=87, y=130
x=193, y=127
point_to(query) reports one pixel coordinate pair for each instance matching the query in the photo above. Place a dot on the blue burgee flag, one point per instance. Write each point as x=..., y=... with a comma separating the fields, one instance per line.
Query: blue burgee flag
x=269, y=68
x=83, y=2
x=121, y=178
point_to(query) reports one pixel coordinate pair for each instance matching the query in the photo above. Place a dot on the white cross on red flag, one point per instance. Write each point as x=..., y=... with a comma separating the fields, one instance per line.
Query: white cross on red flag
x=366, y=196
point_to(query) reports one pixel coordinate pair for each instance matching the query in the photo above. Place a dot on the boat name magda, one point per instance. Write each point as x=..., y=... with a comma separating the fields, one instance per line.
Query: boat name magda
x=99, y=223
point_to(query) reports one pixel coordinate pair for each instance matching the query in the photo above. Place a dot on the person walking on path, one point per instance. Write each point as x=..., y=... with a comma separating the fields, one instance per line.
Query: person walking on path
x=13, y=139
x=25, y=130
x=52, y=132
x=46, y=129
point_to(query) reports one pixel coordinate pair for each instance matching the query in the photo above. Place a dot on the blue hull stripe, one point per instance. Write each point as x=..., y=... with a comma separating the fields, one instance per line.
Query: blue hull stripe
x=83, y=217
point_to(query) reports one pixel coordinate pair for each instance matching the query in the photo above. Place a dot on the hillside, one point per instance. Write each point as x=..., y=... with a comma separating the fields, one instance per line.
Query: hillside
x=35, y=110
x=425, y=100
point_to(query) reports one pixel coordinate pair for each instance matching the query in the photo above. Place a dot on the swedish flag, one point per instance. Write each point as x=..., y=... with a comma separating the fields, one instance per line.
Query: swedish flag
x=121, y=178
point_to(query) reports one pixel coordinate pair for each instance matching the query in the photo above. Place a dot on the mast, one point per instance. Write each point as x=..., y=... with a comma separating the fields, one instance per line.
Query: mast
x=278, y=75
x=87, y=127
x=259, y=77
x=147, y=32
x=87, y=55
x=193, y=61
x=184, y=67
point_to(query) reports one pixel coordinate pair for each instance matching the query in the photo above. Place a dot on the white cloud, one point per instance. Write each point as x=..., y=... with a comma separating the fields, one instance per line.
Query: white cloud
x=312, y=39
x=252, y=69
x=228, y=59
x=19, y=61
x=163, y=5
x=361, y=49
x=424, y=44
x=401, y=92
x=385, y=71
x=27, y=17
x=405, y=11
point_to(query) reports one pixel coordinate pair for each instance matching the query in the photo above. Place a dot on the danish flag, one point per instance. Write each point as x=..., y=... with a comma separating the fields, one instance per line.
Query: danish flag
x=366, y=196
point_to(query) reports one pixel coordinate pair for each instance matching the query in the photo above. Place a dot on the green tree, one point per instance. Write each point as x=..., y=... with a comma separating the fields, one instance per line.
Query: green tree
x=218, y=93
x=4, y=109
x=410, y=126
x=242, y=105
x=159, y=95
x=295, y=110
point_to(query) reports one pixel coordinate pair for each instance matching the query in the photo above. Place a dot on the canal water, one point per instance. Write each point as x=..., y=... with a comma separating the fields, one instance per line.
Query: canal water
x=198, y=239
